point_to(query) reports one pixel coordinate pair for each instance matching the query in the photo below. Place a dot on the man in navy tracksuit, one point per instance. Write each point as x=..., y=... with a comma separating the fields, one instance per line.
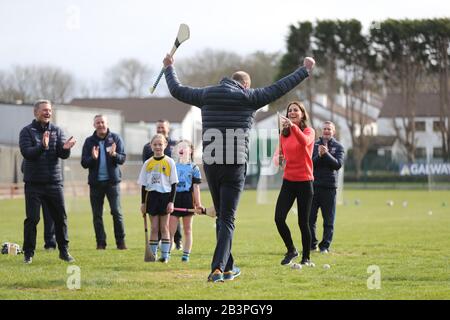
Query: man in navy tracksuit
x=42, y=145
x=228, y=110
x=102, y=154
x=328, y=157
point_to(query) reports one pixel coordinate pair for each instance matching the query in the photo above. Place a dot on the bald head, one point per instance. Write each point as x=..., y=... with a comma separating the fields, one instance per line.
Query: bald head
x=243, y=78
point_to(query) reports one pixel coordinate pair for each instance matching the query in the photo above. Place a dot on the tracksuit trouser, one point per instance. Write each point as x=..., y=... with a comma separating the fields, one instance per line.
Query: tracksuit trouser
x=325, y=199
x=53, y=198
x=226, y=183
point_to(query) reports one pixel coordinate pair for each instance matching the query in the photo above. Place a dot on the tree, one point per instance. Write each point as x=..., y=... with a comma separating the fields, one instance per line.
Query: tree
x=29, y=83
x=437, y=37
x=355, y=59
x=299, y=44
x=128, y=77
x=401, y=49
x=326, y=45
x=209, y=67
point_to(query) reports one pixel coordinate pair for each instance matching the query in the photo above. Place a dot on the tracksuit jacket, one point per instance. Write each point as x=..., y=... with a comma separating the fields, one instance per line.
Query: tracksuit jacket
x=112, y=163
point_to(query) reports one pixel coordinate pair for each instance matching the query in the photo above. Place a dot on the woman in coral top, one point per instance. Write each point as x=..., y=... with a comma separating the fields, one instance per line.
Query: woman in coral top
x=297, y=142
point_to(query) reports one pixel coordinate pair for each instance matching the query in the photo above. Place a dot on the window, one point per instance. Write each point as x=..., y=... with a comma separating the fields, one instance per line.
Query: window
x=420, y=153
x=437, y=125
x=438, y=153
x=420, y=125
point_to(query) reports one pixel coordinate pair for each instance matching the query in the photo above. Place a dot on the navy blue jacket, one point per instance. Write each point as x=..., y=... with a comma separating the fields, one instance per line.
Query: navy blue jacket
x=41, y=165
x=228, y=110
x=147, y=151
x=326, y=167
x=112, y=163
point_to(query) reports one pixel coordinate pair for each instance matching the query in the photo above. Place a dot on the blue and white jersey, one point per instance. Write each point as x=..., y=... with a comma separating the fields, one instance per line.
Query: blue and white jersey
x=188, y=174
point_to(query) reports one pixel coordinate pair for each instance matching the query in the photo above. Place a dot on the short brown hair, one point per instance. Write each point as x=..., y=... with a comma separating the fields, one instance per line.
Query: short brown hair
x=39, y=102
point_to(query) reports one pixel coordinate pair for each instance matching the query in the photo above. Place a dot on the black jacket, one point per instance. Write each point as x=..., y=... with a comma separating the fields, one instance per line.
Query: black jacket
x=326, y=167
x=41, y=165
x=228, y=110
x=112, y=163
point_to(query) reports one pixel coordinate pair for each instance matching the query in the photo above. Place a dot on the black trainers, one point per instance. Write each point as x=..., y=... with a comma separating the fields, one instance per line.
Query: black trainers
x=306, y=262
x=289, y=256
x=122, y=246
x=66, y=257
x=27, y=259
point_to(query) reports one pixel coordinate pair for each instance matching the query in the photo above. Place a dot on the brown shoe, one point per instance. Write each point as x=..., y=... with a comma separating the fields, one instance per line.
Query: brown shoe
x=101, y=247
x=122, y=246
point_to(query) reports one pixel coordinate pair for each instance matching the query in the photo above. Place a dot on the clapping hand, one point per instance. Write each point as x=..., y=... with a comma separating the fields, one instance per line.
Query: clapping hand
x=69, y=143
x=95, y=152
x=112, y=150
x=45, y=139
x=322, y=150
x=286, y=123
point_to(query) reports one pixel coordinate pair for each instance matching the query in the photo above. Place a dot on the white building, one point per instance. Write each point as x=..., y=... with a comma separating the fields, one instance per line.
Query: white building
x=141, y=114
x=74, y=121
x=427, y=136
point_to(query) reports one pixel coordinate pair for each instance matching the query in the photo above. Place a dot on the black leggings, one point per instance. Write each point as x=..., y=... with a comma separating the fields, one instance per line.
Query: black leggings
x=302, y=191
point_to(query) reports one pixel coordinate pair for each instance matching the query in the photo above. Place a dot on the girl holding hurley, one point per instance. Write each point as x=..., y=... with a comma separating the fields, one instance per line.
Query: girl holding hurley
x=188, y=193
x=158, y=178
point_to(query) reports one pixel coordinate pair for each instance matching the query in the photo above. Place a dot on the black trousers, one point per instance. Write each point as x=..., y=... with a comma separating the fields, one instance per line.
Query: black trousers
x=325, y=199
x=97, y=193
x=53, y=198
x=49, y=228
x=290, y=191
x=226, y=183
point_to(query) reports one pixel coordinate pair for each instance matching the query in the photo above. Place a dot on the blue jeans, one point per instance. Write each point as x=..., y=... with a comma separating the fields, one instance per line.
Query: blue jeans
x=98, y=192
x=226, y=183
x=325, y=199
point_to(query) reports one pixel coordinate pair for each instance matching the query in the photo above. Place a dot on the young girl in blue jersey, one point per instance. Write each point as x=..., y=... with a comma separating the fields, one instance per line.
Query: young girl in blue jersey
x=188, y=193
x=158, y=178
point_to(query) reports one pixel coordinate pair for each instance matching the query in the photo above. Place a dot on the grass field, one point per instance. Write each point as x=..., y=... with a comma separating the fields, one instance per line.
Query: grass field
x=410, y=245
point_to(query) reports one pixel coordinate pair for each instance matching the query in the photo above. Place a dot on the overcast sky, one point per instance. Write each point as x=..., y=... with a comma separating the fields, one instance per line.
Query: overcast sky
x=86, y=37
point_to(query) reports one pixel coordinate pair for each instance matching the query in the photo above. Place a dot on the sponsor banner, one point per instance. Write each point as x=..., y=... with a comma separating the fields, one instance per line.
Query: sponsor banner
x=425, y=169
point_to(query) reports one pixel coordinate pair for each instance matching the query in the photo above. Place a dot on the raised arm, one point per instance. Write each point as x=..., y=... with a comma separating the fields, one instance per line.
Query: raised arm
x=189, y=95
x=305, y=137
x=263, y=96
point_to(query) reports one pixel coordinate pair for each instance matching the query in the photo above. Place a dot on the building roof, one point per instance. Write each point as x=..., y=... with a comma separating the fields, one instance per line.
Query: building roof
x=140, y=109
x=427, y=106
x=377, y=142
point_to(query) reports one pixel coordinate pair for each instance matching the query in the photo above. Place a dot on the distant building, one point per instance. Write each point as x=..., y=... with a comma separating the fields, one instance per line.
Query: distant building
x=141, y=114
x=428, y=137
x=74, y=121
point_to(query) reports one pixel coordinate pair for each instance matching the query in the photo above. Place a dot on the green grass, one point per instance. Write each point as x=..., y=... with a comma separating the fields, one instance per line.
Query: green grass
x=410, y=246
